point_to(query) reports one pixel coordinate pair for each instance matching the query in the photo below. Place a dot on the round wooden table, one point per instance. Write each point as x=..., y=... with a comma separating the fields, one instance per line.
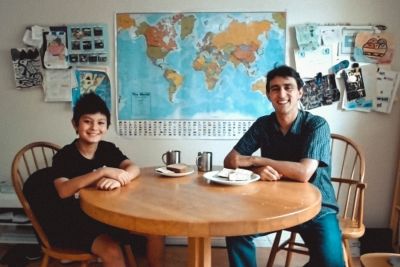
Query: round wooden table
x=192, y=206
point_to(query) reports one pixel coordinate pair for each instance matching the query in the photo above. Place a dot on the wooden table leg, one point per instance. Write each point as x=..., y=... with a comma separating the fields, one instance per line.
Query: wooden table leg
x=199, y=252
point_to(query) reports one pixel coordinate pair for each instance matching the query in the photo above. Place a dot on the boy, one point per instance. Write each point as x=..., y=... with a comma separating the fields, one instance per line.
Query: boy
x=89, y=160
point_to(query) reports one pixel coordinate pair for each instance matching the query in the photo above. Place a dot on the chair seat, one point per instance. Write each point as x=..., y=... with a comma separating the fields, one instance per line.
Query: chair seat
x=351, y=229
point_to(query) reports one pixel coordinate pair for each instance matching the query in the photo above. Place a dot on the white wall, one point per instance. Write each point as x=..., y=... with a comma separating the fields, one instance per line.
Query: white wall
x=26, y=118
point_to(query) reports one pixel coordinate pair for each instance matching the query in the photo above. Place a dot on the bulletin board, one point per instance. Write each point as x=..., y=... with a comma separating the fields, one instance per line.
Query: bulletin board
x=195, y=75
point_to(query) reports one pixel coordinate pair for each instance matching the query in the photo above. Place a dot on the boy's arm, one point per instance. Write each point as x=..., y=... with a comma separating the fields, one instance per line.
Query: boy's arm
x=68, y=187
x=131, y=168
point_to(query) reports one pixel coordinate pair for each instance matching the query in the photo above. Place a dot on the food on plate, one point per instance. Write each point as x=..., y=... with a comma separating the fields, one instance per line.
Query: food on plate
x=178, y=167
x=236, y=174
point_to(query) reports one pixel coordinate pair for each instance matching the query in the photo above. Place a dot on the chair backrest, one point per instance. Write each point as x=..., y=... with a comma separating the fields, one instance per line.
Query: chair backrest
x=29, y=159
x=348, y=170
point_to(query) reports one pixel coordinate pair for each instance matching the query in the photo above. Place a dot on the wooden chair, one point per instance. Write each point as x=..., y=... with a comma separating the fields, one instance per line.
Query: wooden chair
x=348, y=170
x=30, y=158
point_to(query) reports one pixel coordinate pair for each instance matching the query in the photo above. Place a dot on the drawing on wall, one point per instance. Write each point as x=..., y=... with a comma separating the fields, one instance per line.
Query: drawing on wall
x=92, y=80
x=196, y=66
x=348, y=38
x=375, y=48
x=27, y=67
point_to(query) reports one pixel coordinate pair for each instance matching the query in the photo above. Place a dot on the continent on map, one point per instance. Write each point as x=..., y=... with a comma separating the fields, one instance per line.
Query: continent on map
x=175, y=81
x=259, y=85
x=161, y=37
x=238, y=44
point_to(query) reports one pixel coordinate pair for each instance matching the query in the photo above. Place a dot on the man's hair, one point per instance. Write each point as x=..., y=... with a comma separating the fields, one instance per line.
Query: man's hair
x=90, y=103
x=284, y=71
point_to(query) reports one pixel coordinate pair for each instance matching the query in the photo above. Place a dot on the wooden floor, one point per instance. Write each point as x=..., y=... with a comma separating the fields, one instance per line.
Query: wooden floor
x=176, y=256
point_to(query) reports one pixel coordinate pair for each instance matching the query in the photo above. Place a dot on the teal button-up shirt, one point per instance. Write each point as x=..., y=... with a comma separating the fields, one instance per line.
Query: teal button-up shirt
x=308, y=137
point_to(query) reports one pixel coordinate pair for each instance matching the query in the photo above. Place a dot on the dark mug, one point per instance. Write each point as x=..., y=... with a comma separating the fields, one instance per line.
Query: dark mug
x=171, y=157
x=204, y=161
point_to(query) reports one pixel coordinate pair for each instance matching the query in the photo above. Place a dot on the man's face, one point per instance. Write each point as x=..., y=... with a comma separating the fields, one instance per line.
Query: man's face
x=284, y=95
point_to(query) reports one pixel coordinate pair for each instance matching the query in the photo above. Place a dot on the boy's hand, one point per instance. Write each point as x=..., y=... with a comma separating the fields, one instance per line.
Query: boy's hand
x=122, y=176
x=108, y=184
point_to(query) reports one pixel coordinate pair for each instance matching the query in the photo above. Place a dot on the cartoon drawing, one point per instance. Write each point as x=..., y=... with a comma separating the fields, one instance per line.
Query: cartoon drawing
x=90, y=81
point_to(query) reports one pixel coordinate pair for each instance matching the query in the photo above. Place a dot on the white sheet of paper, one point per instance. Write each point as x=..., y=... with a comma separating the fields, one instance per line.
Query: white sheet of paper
x=57, y=85
x=309, y=63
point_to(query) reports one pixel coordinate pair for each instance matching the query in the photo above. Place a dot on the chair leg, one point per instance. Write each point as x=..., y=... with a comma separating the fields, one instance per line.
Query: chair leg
x=274, y=249
x=348, y=253
x=130, y=258
x=290, y=247
x=45, y=260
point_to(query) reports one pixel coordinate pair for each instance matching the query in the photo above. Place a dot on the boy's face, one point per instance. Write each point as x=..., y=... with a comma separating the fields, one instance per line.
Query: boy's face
x=91, y=127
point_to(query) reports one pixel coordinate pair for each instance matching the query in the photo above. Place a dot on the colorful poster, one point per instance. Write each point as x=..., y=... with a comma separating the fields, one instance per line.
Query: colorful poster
x=90, y=80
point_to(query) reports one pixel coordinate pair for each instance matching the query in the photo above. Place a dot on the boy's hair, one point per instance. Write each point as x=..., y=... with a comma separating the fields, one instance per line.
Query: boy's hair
x=90, y=103
x=284, y=71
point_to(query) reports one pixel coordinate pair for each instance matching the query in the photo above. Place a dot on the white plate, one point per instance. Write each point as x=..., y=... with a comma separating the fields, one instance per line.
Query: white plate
x=213, y=176
x=165, y=172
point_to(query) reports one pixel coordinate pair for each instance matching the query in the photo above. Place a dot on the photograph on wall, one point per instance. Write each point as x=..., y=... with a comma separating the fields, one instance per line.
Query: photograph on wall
x=88, y=44
x=27, y=67
x=196, y=66
x=320, y=91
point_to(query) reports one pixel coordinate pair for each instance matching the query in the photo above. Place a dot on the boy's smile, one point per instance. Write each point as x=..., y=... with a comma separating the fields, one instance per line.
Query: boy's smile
x=91, y=127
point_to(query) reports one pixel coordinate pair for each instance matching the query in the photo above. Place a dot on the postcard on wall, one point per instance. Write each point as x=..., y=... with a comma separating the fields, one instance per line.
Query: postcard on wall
x=27, y=67
x=88, y=44
x=375, y=48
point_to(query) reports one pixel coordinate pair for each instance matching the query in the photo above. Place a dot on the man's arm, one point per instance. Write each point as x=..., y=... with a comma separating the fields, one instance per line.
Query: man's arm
x=270, y=169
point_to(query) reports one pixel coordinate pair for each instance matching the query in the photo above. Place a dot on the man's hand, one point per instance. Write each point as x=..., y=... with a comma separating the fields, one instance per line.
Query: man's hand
x=108, y=184
x=268, y=173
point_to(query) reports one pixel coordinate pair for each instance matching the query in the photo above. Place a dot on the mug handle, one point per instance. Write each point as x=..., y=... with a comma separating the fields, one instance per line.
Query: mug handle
x=163, y=158
x=197, y=160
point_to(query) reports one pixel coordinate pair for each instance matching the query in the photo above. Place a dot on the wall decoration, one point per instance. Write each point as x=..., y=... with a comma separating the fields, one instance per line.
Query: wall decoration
x=190, y=69
x=27, y=67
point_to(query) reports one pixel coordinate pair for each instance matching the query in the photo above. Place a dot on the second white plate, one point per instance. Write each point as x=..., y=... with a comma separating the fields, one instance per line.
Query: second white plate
x=213, y=176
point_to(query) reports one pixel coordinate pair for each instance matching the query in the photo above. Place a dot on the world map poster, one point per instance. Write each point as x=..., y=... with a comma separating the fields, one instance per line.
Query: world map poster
x=195, y=74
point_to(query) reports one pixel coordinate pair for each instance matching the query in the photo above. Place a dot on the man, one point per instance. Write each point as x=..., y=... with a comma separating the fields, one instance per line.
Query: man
x=294, y=145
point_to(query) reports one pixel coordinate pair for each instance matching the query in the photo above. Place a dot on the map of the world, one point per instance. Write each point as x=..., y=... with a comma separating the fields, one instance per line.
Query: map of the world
x=196, y=66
